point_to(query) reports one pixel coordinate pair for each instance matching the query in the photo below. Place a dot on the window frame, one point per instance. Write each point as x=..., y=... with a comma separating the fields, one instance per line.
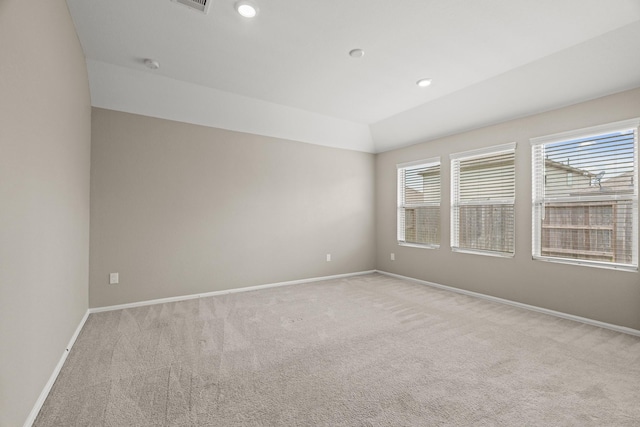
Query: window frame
x=538, y=199
x=455, y=159
x=401, y=205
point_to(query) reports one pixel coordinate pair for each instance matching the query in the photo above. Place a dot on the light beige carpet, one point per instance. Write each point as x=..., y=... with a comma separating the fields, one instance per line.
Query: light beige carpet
x=364, y=351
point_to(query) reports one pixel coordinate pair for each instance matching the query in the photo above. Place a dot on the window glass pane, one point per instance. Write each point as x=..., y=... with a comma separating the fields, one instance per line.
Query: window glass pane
x=419, y=204
x=585, y=198
x=487, y=227
x=422, y=225
x=487, y=178
x=596, y=231
x=483, y=200
x=590, y=166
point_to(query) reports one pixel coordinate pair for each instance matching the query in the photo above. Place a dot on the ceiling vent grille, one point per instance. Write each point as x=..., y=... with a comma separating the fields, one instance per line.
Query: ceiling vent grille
x=199, y=5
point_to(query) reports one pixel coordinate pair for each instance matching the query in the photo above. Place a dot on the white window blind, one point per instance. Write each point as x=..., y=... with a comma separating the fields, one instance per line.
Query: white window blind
x=592, y=217
x=419, y=203
x=483, y=201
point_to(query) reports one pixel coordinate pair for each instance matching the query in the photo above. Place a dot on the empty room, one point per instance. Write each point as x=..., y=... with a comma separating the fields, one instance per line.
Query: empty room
x=319, y=213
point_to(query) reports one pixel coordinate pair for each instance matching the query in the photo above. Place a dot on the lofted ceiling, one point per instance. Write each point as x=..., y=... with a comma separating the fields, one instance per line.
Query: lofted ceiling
x=287, y=72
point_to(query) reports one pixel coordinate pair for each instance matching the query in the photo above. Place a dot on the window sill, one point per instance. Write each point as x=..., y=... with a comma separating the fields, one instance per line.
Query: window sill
x=418, y=245
x=485, y=253
x=608, y=266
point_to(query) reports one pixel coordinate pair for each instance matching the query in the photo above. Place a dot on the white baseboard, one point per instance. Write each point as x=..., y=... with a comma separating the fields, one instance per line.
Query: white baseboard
x=225, y=292
x=560, y=314
x=47, y=388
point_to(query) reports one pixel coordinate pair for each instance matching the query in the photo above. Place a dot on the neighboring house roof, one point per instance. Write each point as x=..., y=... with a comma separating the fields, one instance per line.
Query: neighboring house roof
x=412, y=195
x=431, y=171
x=568, y=168
x=618, y=184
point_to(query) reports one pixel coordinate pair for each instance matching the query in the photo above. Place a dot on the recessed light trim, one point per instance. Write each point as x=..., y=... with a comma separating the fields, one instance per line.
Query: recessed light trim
x=151, y=64
x=247, y=9
x=424, y=82
x=356, y=53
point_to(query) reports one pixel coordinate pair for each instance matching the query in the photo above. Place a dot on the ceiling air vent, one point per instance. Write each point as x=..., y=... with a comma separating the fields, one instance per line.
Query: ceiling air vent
x=200, y=5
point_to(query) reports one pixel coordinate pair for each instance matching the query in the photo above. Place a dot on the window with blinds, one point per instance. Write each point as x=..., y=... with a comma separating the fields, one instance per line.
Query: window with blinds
x=585, y=196
x=483, y=201
x=419, y=203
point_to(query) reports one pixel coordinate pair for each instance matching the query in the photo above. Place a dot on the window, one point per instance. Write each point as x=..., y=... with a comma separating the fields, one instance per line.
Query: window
x=591, y=218
x=483, y=201
x=419, y=203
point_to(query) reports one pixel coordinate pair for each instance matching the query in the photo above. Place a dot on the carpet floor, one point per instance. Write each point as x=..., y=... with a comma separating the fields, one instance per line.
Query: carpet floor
x=361, y=351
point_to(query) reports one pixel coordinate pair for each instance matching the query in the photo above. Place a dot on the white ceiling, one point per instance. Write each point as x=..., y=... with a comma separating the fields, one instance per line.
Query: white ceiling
x=287, y=72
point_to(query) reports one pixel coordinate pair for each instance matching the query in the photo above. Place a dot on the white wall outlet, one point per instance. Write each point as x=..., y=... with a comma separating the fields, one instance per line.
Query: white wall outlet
x=328, y=257
x=393, y=256
x=114, y=278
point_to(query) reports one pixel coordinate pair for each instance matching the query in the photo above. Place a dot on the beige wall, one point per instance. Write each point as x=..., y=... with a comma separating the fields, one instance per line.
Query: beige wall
x=600, y=294
x=179, y=209
x=44, y=197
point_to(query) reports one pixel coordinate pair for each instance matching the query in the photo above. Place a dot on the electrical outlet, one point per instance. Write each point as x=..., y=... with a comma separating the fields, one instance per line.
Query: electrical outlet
x=328, y=257
x=114, y=278
x=393, y=256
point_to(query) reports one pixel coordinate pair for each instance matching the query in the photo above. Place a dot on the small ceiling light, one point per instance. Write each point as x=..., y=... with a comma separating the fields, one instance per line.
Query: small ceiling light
x=150, y=63
x=356, y=53
x=247, y=9
x=424, y=82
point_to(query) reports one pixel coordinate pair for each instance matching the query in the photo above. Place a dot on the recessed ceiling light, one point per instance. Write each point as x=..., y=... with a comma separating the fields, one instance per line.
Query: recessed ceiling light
x=247, y=9
x=424, y=82
x=356, y=53
x=150, y=63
